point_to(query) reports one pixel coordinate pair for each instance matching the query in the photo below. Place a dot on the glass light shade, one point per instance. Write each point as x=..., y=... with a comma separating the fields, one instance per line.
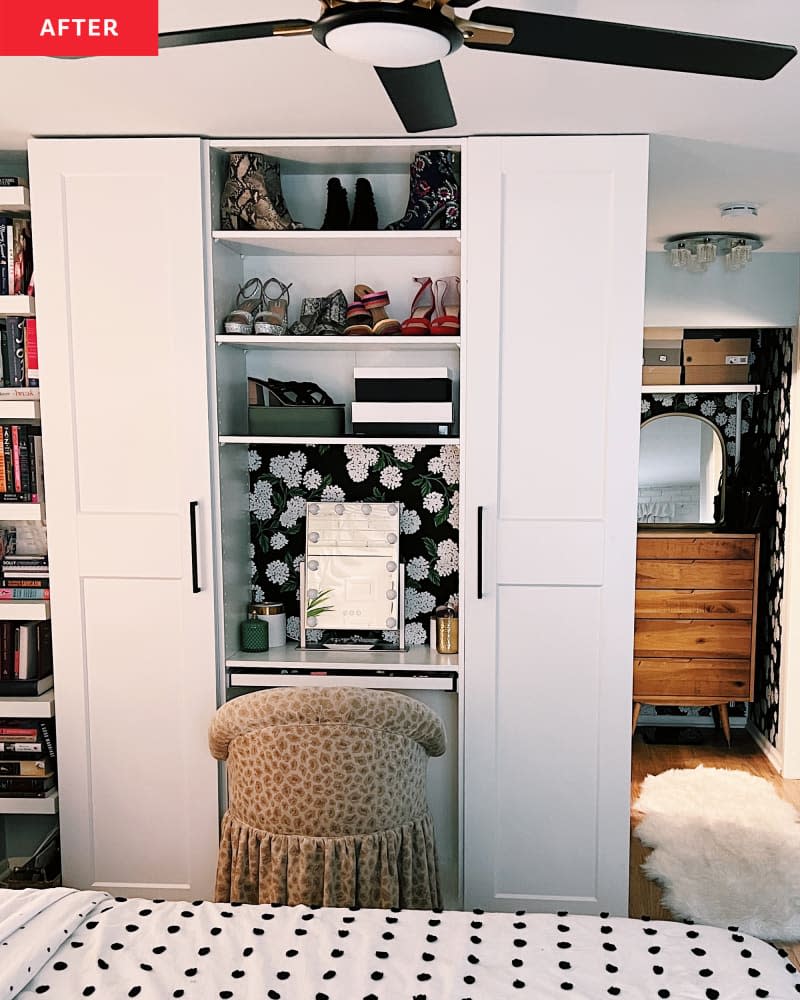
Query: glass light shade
x=387, y=44
x=679, y=256
x=706, y=252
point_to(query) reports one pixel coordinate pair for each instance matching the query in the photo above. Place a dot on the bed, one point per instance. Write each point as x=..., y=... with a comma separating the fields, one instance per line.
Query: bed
x=66, y=943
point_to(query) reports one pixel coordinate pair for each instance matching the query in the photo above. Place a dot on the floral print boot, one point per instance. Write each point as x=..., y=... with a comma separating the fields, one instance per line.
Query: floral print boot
x=434, y=191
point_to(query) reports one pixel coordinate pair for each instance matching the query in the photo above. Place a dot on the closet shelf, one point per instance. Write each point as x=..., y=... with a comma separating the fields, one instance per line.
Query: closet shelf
x=300, y=440
x=389, y=682
x=24, y=611
x=33, y=707
x=317, y=243
x=12, y=511
x=291, y=657
x=15, y=199
x=19, y=409
x=46, y=806
x=344, y=343
x=682, y=390
x=17, y=305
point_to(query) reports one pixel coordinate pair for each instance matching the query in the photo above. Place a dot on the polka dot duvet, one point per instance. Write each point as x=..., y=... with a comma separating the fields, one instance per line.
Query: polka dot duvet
x=64, y=944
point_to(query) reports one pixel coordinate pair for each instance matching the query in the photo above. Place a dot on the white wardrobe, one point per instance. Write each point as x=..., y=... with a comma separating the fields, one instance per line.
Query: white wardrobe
x=552, y=262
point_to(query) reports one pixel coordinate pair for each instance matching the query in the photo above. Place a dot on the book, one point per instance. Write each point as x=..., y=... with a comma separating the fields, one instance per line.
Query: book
x=26, y=663
x=24, y=593
x=25, y=748
x=10, y=732
x=26, y=558
x=5, y=255
x=25, y=768
x=26, y=689
x=26, y=787
x=15, y=459
x=25, y=462
x=37, y=468
x=22, y=268
x=8, y=181
x=19, y=392
x=31, y=352
x=24, y=581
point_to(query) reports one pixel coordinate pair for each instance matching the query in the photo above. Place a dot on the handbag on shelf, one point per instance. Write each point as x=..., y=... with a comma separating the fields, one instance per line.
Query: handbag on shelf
x=322, y=316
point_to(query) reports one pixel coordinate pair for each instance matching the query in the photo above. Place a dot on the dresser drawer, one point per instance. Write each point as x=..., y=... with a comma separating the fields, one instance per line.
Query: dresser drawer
x=692, y=638
x=694, y=574
x=694, y=547
x=694, y=604
x=672, y=680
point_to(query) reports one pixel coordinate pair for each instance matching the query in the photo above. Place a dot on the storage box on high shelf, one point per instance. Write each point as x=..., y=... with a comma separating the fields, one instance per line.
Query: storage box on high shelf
x=662, y=355
x=714, y=359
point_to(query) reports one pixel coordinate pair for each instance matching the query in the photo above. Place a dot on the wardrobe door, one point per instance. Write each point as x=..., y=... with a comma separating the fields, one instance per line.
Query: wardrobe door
x=556, y=284
x=120, y=299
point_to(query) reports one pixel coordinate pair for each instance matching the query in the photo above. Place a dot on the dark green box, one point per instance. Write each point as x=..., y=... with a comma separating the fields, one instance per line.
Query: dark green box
x=283, y=421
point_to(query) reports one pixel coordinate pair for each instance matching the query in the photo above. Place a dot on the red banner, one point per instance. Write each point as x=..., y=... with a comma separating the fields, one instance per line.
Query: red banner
x=78, y=28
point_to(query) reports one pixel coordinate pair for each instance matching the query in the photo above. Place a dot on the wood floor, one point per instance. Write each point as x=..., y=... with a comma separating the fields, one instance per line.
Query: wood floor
x=743, y=755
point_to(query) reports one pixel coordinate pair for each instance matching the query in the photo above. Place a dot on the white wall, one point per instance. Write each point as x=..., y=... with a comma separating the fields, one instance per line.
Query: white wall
x=765, y=293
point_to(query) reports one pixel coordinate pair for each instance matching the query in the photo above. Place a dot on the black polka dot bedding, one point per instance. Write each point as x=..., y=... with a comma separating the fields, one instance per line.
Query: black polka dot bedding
x=63, y=944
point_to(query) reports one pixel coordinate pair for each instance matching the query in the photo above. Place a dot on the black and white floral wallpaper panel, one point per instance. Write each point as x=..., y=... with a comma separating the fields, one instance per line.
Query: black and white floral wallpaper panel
x=423, y=478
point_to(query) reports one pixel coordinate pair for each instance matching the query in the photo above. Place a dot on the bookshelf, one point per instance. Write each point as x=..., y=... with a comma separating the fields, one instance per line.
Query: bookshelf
x=47, y=805
x=17, y=305
x=15, y=200
x=41, y=706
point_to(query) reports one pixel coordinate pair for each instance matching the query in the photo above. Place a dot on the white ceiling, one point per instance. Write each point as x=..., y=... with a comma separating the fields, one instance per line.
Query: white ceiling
x=717, y=140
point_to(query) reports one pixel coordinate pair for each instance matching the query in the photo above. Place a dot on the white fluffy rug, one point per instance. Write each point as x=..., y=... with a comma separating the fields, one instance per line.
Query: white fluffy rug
x=726, y=849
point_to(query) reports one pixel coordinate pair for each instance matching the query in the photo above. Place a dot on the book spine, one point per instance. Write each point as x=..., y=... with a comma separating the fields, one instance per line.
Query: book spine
x=37, y=467
x=25, y=768
x=5, y=631
x=18, y=732
x=7, y=181
x=27, y=748
x=25, y=462
x=9, y=228
x=44, y=648
x=24, y=593
x=9, y=463
x=15, y=459
x=4, y=256
x=26, y=787
x=31, y=352
x=18, y=347
x=10, y=392
x=24, y=581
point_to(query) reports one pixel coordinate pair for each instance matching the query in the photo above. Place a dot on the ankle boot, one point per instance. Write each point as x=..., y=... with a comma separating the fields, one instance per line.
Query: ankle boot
x=365, y=215
x=337, y=214
x=433, y=197
x=252, y=197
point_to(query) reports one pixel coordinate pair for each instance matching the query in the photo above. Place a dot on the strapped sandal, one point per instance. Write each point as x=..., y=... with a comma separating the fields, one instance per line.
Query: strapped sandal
x=272, y=318
x=447, y=322
x=248, y=301
x=358, y=320
x=375, y=303
x=422, y=309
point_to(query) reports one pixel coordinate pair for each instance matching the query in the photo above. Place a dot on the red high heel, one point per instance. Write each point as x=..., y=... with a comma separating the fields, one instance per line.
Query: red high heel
x=419, y=322
x=447, y=322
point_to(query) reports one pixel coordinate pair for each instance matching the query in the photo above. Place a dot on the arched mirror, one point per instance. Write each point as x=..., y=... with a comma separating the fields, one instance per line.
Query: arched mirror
x=681, y=470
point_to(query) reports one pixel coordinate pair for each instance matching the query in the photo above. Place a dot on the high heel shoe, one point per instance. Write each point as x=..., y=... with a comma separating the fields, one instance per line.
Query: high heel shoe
x=365, y=214
x=248, y=302
x=252, y=197
x=272, y=317
x=375, y=303
x=433, y=197
x=419, y=322
x=447, y=322
x=337, y=214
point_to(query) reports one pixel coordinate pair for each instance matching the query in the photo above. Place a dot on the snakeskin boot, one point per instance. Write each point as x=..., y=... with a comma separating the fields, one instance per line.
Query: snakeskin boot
x=433, y=198
x=252, y=197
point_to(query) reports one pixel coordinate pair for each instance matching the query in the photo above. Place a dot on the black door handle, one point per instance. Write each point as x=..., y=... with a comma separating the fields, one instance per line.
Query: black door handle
x=480, y=553
x=193, y=504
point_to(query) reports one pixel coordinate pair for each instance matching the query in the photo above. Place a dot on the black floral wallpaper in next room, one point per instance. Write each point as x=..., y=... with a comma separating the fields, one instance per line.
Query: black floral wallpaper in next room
x=764, y=451
x=423, y=478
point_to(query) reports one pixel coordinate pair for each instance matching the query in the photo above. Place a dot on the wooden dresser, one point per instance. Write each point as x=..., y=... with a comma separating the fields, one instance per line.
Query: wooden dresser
x=694, y=638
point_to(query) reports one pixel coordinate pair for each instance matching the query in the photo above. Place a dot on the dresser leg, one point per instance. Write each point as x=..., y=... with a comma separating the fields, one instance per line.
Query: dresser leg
x=725, y=722
x=636, y=706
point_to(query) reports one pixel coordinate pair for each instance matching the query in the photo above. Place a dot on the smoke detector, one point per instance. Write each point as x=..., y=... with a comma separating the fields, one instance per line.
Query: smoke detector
x=735, y=209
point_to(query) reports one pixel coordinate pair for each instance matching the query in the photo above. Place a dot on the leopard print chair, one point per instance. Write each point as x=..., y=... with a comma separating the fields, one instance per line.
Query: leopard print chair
x=326, y=798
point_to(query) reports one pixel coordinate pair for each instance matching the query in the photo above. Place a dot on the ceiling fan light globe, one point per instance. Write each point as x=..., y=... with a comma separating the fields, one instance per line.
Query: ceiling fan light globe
x=388, y=44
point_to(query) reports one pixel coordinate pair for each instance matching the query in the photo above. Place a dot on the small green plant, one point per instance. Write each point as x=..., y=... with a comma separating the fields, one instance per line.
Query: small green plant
x=316, y=606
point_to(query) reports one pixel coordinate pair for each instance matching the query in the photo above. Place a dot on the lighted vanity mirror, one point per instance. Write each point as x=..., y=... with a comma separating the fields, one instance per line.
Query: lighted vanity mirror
x=681, y=470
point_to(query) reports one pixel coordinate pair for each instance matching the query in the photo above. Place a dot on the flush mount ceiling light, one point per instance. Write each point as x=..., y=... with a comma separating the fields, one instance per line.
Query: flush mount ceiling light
x=695, y=251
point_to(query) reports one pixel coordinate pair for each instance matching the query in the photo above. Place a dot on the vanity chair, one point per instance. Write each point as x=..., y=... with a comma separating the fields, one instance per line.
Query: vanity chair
x=327, y=798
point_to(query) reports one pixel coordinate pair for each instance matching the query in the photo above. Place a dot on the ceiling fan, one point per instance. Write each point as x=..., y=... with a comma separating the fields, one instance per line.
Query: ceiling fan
x=405, y=39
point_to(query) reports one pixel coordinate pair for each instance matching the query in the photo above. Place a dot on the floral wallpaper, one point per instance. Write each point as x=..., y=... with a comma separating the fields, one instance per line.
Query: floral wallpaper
x=423, y=478
x=768, y=456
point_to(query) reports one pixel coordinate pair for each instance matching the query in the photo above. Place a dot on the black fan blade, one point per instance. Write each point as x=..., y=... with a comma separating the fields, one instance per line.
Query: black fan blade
x=419, y=95
x=630, y=45
x=231, y=32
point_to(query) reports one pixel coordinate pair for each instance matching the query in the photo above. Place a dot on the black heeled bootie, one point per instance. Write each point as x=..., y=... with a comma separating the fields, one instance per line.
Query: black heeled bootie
x=337, y=214
x=434, y=192
x=365, y=214
x=252, y=197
